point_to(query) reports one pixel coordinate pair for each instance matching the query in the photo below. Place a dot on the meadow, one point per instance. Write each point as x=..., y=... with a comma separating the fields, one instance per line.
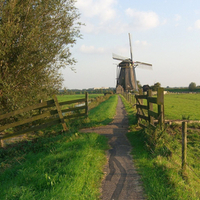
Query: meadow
x=182, y=106
x=76, y=96
x=57, y=165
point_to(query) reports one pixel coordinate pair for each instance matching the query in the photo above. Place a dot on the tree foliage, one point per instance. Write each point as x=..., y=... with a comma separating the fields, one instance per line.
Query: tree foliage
x=156, y=86
x=192, y=86
x=35, y=41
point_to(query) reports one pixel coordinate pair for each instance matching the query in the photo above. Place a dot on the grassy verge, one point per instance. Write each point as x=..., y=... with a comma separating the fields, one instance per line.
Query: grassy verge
x=57, y=165
x=160, y=171
x=98, y=116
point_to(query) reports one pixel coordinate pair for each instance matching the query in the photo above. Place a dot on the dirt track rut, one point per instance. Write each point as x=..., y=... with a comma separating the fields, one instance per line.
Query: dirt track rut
x=122, y=181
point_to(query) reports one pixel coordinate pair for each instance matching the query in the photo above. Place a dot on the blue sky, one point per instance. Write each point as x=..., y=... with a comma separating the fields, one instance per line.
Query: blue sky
x=164, y=33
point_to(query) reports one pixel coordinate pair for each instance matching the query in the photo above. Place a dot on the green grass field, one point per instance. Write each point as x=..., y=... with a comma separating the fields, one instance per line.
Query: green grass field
x=180, y=106
x=55, y=165
x=77, y=96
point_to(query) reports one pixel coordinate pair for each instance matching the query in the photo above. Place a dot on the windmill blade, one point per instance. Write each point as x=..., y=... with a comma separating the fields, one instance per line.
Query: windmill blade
x=130, y=47
x=142, y=65
x=117, y=57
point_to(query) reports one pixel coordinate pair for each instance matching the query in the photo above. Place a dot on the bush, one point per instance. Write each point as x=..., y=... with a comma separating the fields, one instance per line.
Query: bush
x=192, y=86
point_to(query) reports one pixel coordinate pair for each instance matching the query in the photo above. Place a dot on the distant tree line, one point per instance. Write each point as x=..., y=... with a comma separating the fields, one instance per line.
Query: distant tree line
x=90, y=91
x=147, y=87
x=191, y=88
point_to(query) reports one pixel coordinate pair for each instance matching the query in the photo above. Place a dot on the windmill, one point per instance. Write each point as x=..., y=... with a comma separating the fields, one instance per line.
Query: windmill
x=126, y=77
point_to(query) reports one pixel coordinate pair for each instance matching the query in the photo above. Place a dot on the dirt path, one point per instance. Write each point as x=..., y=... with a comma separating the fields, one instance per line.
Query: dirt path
x=122, y=181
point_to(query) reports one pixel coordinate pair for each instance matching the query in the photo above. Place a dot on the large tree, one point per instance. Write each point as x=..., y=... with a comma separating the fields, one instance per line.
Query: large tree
x=35, y=41
x=192, y=86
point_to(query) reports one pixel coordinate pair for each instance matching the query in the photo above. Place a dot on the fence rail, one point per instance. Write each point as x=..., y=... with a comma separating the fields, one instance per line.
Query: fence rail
x=146, y=111
x=50, y=117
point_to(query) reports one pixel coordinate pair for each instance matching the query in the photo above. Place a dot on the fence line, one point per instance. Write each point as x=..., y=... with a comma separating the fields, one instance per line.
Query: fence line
x=146, y=112
x=159, y=100
x=57, y=115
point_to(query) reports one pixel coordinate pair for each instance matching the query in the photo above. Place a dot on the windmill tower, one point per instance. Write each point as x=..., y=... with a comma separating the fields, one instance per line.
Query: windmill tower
x=127, y=76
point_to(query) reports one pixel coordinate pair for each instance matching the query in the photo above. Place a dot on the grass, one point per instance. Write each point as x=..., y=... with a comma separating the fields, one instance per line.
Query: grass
x=161, y=172
x=102, y=115
x=76, y=96
x=179, y=106
x=57, y=165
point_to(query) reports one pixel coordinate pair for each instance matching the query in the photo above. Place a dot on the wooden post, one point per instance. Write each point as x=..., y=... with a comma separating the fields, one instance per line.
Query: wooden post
x=60, y=113
x=141, y=103
x=150, y=107
x=184, y=146
x=160, y=102
x=86, y=104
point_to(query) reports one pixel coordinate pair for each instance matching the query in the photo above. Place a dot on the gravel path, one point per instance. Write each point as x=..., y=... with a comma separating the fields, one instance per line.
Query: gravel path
x=122, y=181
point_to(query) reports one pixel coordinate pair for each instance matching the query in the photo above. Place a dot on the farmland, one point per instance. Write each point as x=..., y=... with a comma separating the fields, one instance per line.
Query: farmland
x=76, y=96
x=182, y=106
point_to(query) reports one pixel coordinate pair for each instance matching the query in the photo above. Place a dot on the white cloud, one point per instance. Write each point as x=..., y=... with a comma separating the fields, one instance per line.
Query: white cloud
x=141, y=43
x=91, y=49
x=177, y=17
x=143, y=20
x=197, y=24
x=100, y=8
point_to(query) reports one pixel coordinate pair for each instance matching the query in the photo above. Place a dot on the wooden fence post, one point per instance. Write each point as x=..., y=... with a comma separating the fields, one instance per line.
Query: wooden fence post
x=184, y=146
x=60, y=113
x=141, y=103
x=86, y=104
x=160, y=102
x=150, y=107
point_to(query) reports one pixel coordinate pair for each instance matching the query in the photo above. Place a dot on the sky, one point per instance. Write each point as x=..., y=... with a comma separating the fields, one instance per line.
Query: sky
x=165, y=33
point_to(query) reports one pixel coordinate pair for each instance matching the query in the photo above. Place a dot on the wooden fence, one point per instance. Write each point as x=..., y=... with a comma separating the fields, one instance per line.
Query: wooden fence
x=146, y=112
x=52, y=115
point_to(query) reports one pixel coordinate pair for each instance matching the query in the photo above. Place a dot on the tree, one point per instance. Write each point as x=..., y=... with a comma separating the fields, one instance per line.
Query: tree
x=156, y=86
x=192, y=86
x=35, y=41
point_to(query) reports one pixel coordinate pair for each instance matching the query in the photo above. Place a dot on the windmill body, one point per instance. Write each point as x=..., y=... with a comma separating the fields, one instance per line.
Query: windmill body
x=127, y=76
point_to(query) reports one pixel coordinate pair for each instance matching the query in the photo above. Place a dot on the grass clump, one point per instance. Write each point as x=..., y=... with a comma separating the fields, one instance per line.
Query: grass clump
x=158, y=158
